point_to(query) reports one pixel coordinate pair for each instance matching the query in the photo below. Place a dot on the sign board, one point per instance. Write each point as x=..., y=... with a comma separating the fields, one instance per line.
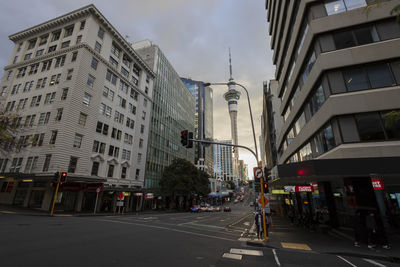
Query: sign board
x=289, y=188
x=121, y=196
x=258, y=173
x=377, y=184
x=120, y=203
x=315, y=186
x=138, y=194
x=98, y=190
x=304, y=189
x=149, y=196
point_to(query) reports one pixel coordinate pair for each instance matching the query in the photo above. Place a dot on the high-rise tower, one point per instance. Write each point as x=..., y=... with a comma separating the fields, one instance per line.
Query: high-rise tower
x=232, y=96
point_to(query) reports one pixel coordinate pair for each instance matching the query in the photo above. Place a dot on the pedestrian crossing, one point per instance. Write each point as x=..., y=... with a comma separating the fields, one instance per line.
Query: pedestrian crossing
x=237, y=253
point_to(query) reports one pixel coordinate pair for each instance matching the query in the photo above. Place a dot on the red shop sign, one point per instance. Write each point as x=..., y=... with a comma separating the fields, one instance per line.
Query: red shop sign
x=377, y=184
x=304, y=188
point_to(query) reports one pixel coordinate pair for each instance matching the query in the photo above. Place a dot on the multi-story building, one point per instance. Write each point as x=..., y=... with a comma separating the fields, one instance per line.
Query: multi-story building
x=337, y=68
x=223, y=162
x=173, y=111
x=83, y=100
x=204, y=123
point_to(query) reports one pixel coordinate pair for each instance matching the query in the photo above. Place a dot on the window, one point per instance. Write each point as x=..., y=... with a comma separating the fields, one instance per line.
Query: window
x=130, y=123
x=110, y=171
x=136, y=69
x=94, y=63
x=317, y=99
x=90, y=81
x=123, y=86
x=46, y=164
x=119, y=117
x=43, y=39
x=115, y=50
x=52, y=48
x=4, y=91
x=370, y=127
x=82, y=119
x=28, y=86
x=78, y=140
x=305, y=152
x=78, y=39
x=105, y=110
x=9, y=74
x=139, y=158
x=83, y=22
x=116, y=134
x=68, y=31
x=335, y=7
x=73, y=162
x=53, y=137
x=65, y=44
x=137, y=174
x=64, y=94
x=143, y=115
x=102, y=128
x=27, y=56
x=46, y=65
x=113, y=151
x=142, y=129
x=34, y=69
x=40, y=52
x=50, y=97
x=108, y=93
x=356, y=79
x=95, y=168
x=69, y=74
x=366, y=35
x=380, y=76
x=59, y=114
x=113, y=62
x=86, y=99
x=56, y=35
x=97, y=47
x=134, y=94
x=124, y=72
x=100, y=33
x=98, y=147
x=60, y=61
x=391, y=124
x=121, y=102
x=127, y=61
x=28, y=165
x=128, y=139
x=126, y=154
x=134, y=81
x=111, y=77
x=31, y=44
x=301, y=121
x=344, y=39
x=141, y=143
x=123, y=172
x=132, y=109
x=144, y=102
x=74, y=56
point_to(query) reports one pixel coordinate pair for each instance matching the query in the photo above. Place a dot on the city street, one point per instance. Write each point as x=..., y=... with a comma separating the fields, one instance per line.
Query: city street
x=163, y=239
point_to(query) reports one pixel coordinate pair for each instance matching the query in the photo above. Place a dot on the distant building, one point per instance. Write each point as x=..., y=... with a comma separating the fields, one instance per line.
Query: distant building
x=223, y=162
x=83, y=98
x=173, y=111
x=204, y=123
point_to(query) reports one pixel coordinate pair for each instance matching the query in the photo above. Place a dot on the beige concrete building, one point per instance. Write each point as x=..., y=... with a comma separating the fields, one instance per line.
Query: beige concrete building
x=83, y=98
x=338, y=75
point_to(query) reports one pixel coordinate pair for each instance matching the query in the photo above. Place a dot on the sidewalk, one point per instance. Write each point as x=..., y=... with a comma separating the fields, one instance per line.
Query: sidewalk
x=283, y=235
x=11, y=209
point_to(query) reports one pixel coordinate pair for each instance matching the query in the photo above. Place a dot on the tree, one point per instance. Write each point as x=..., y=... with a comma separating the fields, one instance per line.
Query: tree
x=182, y=179
x=378, y=3
x=8, y=130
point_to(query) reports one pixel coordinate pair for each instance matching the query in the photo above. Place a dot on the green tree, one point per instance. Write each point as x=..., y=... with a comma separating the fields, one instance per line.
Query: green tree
x=8, y=130
x=378, y=3
x=182, y=179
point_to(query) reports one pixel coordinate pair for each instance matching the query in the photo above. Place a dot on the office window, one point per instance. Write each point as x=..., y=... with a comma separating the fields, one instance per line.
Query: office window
x=31, y=44
x=111, y=77
x=139, y=158
x=94, y=63
x=40, y=52
x=69, y=74
x=78, y=140
x=43, y=39
x=123, y=172
x=356, y=79
x=142, y=129
x=137, y=174
x=335, y=7
x=64, y=94
x=97, y=47
x=113, y=62
x=73, y=163
x=95, y=168
x=52, y=48
x=366, y=35
x=28, y=165
x=134, y=81
x=108, y=93
x=74, y=56
x=60, y=61
x=136, y=69
x=344, y=39
x=90, y=81
x=59, y=114
x=68, y=31
x=83, y=22
x=370, y=127
x=86, y=99
x=46, y=164
x=56, y=35
x=27, y=56
x=65, y=44
x=53, y=137
x=132, y=109
x=78, y=39
x=82, y=119
x=126, y=154
x=353, y=4
x=100, y=33
x=124, y=72
x=380, y=75
x=141, y=141
x=110, y=171
x=391, y=123
x=115, y=50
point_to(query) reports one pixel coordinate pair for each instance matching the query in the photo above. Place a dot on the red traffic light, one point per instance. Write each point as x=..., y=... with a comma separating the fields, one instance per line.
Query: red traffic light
x=63, y=177
x=265, y=186
x=301, y=172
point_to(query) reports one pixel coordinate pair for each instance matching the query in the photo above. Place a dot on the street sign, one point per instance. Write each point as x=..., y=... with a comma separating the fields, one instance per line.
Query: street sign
x=258, y=173
x=289, y=188
x=98, y=190
x=304, y=188
x=377, y=184
x=121, y=196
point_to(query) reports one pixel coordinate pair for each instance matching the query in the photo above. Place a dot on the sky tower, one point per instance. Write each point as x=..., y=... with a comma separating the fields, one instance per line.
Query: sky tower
x=232, y=96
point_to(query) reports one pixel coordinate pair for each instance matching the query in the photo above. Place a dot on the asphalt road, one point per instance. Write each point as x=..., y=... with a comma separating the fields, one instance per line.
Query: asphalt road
x=156, y=239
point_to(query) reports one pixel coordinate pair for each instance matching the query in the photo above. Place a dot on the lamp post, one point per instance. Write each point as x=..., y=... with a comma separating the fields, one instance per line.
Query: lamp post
x=251, y=114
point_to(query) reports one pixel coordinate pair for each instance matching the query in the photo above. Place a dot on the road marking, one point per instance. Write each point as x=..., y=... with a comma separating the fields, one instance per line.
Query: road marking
x=374, y=263
x=247, y=223
x=7, y=212
x=169, y=229
x=276, y=257
x=347, y=261
x=232, y=256
x=246, y=252
x=201, y=225
x=63, y=215
x=244, y=239
x=295, y=246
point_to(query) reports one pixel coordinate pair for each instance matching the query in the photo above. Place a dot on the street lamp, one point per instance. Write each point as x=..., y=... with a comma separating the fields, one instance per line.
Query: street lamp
x=248, y=100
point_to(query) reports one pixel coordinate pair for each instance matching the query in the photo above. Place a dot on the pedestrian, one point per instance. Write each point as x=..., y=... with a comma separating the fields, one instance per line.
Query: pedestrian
x=358, y=226
x=268, y=221
x=258, y=222
x=291, y=216
x=371, y=229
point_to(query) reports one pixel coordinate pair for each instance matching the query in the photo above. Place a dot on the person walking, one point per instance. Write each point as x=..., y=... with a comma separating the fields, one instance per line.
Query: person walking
x=371, y=229
x=358, y=226
x=258, y=221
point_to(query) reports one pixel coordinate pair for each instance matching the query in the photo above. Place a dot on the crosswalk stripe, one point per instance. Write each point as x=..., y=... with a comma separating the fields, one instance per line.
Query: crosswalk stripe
x=374, y=263
x=246, y=252
x=343, y=259
x=232, y=256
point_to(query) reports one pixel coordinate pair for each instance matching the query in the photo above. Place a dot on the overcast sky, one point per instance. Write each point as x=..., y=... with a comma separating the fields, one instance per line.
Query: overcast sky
x=195, y=36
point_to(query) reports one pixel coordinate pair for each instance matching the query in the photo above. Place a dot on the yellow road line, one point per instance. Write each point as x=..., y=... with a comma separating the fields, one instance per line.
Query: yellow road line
x=63, y=215
x=295, y=246
x=7, y=212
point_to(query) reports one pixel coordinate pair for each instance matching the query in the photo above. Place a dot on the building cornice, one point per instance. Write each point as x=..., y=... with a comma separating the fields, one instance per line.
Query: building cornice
x=71, y=16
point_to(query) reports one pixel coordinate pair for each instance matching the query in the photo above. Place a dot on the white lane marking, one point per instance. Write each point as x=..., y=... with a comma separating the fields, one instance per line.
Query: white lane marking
x=343, y=259
x=201, y=225
x=232, y=256
x=374, y=263
x=244, y=239
x=247, y=223
x=246, y=252
x=169, y=229
x=276, y=257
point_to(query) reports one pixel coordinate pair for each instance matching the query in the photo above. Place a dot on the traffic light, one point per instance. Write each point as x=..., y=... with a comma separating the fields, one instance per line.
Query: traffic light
x=63, y=177
x=56, y=175
x=184, y=137
x=190, y=142
x=265, y=187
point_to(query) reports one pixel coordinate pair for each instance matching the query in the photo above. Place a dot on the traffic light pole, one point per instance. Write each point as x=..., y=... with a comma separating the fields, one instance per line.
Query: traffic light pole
x=56, y=193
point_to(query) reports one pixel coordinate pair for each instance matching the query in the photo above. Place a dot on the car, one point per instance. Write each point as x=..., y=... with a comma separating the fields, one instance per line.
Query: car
x=236, y=201
x=217, y=209
x=205, y=208
x=194, y=208
x=251, y=204
x=227, y=209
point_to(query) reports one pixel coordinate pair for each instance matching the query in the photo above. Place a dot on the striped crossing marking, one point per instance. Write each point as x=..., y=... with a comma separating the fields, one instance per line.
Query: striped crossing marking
x=232, y=256
x=246, y=252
